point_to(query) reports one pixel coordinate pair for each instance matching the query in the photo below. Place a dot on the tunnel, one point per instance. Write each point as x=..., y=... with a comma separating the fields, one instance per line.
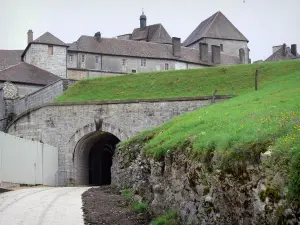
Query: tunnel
x=93, y=158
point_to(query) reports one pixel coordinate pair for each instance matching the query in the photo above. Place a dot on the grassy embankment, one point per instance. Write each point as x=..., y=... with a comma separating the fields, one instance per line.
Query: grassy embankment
x=234, y=80
x=238, y=129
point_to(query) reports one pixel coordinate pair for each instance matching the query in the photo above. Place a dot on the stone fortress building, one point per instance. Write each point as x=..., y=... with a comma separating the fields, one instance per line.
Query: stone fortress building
x=216, y=41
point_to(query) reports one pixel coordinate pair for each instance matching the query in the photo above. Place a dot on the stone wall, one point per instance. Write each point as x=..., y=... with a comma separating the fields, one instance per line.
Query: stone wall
x=114, y=65
x=63, y=125
x=230, y=47
x=38, y=55
x=43, y=95
x=203, y=193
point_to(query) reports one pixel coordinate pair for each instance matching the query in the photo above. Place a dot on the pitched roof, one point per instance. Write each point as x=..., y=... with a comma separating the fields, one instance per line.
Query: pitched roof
x=27, y=73
x=278, y=55
x=9, y=58
x=48, y=38
x=112, y=46
x=153, y=33
x=216, y=26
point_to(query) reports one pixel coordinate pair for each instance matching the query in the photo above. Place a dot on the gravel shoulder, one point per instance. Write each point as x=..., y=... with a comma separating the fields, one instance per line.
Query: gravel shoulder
x=104, y=206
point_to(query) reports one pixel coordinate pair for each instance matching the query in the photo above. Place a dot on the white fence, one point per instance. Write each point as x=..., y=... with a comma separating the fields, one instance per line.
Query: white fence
x=27, y=162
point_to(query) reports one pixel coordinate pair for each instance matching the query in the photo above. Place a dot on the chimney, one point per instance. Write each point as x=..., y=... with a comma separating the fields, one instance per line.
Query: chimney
x=29, y=36
x=176, y=44
x=242, y=56
x=98, y=36
x=294, y=49
x=216, y=54
x=203, y=49
x=284, y=49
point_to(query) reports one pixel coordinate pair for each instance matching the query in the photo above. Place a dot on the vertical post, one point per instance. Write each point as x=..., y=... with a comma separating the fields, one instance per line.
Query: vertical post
x=256, y=79
x=213, y=100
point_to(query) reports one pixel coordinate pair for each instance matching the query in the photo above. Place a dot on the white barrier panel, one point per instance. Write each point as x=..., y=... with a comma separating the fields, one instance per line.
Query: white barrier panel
x=27, y=162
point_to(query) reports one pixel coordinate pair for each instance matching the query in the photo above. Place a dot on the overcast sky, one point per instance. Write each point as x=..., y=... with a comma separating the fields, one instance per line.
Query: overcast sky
x=264, y=22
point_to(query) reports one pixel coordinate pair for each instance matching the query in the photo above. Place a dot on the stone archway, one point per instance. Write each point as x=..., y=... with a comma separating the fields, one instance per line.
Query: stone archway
x=87, y=149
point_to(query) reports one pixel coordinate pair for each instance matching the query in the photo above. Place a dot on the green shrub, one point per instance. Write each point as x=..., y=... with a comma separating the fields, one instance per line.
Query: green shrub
x=139, y=207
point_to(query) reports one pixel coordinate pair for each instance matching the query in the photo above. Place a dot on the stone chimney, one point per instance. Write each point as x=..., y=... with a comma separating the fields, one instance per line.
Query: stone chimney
x=216, y=54
x=294, y=49
x=242, y=55
x=203, y=50
x=284, y=49
x=29, y=36
x=98, y=36
x=176, y=44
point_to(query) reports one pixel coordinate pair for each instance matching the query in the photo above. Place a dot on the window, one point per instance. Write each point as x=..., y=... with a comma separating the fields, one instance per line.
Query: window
x=50, y=50
x=83, y=58
x=221, y=47
x=124, y=62
x=97, y=59
x=133, y=71
x=166, y=66
x=143, y=62
x=70, y=58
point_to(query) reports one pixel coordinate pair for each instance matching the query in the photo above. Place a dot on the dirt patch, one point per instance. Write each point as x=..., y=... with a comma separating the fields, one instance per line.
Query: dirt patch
x=106, y=206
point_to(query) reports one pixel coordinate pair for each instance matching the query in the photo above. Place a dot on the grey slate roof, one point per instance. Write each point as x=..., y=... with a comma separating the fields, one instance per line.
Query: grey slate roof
x=48, y=38
x=9, y=58
x=216, y=26
x=27, y=73
x=112, y=46
x=152, y=33
x=278, y=55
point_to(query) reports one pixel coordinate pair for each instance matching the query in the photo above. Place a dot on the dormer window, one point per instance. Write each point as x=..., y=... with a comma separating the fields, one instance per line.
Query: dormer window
x=83, y=58
x=50, y=50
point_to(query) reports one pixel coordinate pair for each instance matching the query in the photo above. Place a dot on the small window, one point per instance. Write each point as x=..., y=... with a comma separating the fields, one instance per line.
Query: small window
x=221, y=47
x=83, y=58
x=143, y=62
x=166, y=66
x=124, y=62
x=70, y=58
x=133, y=71
x=97, y=59
x=50, y=50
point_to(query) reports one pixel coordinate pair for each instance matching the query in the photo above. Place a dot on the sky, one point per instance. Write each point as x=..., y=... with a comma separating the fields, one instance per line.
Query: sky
x=264, y=22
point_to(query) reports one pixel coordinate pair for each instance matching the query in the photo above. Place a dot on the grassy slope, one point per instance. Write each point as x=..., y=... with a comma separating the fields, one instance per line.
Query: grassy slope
x=268, y=118
x=181, y=83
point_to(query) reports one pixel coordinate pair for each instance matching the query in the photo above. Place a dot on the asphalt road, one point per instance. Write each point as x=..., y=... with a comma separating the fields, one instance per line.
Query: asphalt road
x=42, y=206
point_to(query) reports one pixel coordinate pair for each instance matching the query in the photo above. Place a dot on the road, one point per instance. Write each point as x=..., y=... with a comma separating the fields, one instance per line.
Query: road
x=42, y=206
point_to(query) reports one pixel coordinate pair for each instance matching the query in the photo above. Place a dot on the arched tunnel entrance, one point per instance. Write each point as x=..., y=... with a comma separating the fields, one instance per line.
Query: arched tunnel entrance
x=93, y=158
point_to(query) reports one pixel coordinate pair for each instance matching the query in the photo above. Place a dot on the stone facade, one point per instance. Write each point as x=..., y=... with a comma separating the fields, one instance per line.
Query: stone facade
x=110, y=65
x=63, y=125
x=230, y=47
x=38, y=55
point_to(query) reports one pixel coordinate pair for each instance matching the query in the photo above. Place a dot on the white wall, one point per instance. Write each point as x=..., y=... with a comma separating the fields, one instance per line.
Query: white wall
x=27, y=162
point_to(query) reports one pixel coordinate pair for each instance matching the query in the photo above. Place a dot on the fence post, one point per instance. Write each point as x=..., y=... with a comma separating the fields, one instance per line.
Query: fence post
x=256, y=79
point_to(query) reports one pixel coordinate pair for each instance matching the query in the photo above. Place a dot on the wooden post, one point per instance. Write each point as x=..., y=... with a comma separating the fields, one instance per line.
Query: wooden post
x=213, y=100
x=256, y=80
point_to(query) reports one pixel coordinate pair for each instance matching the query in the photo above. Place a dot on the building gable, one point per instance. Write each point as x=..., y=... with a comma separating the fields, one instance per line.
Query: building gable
x=217, y=26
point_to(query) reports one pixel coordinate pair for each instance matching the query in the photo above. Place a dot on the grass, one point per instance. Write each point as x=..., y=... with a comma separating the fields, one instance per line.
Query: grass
x=136, y=206
x=170, y=218
x=233, y=80
x=240, y=128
